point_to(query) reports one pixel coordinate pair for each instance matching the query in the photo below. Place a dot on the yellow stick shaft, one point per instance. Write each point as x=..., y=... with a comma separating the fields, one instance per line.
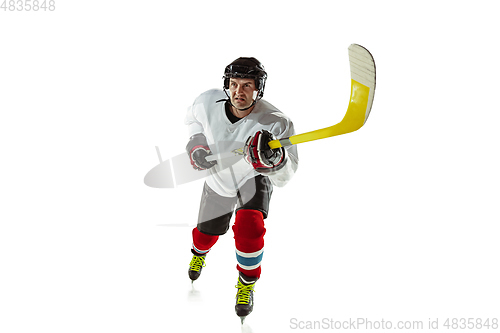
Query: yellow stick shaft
x=353, y=120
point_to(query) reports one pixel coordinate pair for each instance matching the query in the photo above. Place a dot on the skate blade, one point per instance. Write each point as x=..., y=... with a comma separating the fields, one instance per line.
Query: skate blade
x=242, y=320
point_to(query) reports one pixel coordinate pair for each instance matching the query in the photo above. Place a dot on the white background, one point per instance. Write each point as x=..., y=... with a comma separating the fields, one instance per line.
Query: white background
x=397, y=221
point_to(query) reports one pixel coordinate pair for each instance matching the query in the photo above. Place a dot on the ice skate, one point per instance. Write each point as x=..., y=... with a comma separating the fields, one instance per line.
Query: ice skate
x=244, y=296
x=196, y=265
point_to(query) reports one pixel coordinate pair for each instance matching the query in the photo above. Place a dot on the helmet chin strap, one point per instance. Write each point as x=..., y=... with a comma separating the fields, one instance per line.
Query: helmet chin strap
x=255, y=100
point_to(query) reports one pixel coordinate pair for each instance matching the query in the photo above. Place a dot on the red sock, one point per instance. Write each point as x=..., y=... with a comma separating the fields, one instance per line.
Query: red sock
x=249, y=234
x=202, y=243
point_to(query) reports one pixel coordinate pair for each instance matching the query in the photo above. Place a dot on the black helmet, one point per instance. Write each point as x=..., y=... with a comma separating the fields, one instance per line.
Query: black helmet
x=248, y=68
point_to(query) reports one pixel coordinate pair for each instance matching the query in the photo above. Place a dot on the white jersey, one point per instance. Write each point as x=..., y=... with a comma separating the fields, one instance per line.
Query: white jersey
x=208, y=117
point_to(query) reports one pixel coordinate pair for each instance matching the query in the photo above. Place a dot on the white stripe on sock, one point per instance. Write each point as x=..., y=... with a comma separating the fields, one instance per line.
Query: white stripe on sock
x=250, y=255
x=199, y=251
x=249, y=268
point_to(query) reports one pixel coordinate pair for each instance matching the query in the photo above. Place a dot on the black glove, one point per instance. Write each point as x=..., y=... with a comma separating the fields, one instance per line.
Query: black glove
x=197, y=149
x=260, y=155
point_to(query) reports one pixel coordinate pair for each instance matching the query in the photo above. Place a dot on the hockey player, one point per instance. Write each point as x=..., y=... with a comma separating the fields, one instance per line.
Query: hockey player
x=222, y=120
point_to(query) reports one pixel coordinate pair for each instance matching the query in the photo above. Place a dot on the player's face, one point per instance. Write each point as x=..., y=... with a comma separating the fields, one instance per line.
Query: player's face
x=241, y=92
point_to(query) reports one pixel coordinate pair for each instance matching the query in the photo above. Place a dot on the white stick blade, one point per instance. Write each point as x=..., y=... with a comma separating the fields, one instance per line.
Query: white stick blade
x=363, y=71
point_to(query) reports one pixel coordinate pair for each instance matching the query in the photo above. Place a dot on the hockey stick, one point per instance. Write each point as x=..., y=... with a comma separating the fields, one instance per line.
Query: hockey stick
x=362, y=92
x=363, y=75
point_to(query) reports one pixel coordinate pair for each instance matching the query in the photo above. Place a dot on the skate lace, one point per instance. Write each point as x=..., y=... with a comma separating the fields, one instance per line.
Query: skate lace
x=244, y=293
x=197, y=263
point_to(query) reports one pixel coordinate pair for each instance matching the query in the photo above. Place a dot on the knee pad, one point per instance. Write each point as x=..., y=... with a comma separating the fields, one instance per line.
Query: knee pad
x=249, y=230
